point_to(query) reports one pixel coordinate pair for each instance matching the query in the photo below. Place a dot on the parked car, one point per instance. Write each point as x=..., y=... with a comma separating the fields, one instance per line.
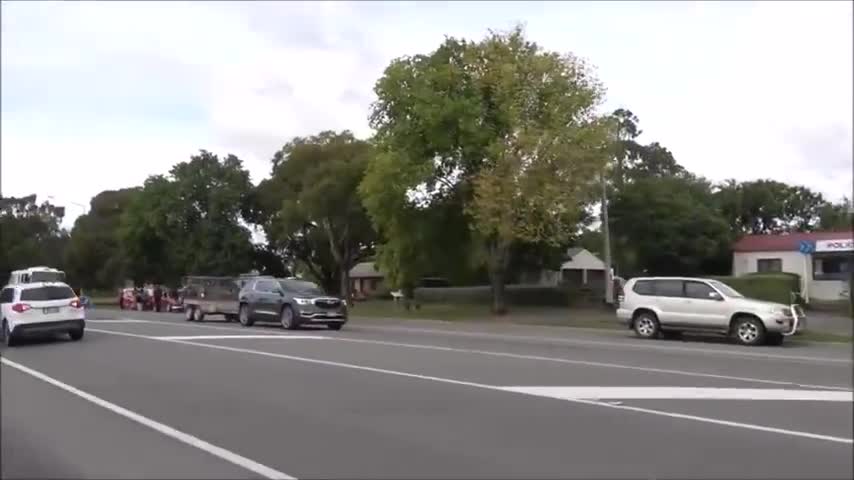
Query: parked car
x=38, y=308
x=291, y=303
x=670, y=306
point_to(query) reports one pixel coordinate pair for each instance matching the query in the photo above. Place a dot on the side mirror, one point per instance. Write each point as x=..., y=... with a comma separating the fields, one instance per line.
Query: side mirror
x=715, y=296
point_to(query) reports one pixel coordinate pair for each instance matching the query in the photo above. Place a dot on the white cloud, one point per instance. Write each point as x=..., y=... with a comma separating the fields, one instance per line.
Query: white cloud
x=121, y=90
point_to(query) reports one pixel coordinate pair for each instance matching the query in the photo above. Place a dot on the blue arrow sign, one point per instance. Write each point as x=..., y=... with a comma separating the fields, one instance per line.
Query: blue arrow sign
x=806, y=246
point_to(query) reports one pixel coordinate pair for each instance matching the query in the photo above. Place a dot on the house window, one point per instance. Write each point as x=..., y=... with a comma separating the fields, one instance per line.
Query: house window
x=836, y=267
x=769, y=265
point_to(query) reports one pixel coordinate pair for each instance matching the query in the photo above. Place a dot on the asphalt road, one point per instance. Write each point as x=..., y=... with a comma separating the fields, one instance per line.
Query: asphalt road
x=149, y=395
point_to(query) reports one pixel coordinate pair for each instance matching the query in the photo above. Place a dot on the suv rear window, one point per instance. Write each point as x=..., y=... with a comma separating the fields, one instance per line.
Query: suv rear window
x=643, y=287
x=41, y=294
x=36, y=277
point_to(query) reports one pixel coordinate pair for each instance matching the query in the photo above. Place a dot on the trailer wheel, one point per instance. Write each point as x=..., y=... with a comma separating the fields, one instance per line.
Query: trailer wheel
x=198, y=315
x=188, y=314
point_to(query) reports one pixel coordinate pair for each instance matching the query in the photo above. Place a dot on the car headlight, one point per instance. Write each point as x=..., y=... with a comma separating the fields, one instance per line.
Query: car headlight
x=302, y=301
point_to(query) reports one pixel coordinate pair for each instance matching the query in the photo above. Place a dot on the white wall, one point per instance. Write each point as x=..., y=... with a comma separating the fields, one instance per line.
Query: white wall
x=793, y=262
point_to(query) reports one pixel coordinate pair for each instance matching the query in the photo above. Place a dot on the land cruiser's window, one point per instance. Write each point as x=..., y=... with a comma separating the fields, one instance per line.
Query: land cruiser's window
x=41, y=294
x=643, y=287
x=7, y=296
x=698, y=290
x=768, y=265
x=668, y=288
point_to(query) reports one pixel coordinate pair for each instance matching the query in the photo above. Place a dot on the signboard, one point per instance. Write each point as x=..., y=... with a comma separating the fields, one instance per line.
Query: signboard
x=841, y=245
x=806, y=247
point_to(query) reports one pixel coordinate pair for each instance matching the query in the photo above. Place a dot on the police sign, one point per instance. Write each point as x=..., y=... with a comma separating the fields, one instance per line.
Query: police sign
x=841, y=245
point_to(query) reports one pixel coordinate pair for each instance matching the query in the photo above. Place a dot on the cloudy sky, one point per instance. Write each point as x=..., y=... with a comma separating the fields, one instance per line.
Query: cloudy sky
x=98, y=96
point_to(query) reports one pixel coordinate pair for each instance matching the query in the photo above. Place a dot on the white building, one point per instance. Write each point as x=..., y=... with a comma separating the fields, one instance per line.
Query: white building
x=824, y=260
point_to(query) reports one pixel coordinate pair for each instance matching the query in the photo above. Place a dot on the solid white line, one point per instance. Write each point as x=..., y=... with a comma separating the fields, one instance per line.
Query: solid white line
x=584, y=363
x=748, y=426
x=632, y=343
x=223, y=337
x=222, y=453
x=674, y=393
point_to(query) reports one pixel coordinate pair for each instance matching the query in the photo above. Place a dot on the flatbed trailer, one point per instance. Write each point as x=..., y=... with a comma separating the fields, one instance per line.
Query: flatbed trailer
x=212, y=295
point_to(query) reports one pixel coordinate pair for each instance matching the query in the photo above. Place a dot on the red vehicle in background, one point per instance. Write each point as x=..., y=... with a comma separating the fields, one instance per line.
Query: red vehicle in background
x=143, y=300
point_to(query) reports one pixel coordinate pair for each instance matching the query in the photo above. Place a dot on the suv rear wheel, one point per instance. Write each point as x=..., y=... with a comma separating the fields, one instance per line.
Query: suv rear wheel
x=288, y=318
x=646, y=325
x=748, y=331
x=8, y=339
x=243, y=316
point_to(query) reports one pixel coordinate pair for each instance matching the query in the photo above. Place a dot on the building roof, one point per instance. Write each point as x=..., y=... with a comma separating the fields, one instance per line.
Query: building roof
x=581, y=259
x=573, y=252
x=785, y=242
x=365, y=270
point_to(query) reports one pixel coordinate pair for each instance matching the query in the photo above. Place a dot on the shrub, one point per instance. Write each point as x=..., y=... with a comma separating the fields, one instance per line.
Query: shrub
x=772, y=287
x=518, y=295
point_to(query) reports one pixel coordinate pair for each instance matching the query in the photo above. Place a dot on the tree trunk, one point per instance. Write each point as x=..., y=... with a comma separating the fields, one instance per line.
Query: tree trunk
x=499, y=256
x=345, y=283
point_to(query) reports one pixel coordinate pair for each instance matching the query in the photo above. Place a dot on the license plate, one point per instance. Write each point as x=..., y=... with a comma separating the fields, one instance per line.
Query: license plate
x=51, y=310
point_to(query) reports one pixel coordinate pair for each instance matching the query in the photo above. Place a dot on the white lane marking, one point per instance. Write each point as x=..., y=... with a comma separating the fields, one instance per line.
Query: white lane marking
x=223, y=337
x=541, y=358
x=214, y=450
x=629, y=344
x=118, y=321
x=584, y=363
x=679, y=393
x=747, y=426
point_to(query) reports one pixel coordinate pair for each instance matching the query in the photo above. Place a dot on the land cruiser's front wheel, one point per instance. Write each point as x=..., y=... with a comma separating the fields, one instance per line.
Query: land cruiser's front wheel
x=748, y=331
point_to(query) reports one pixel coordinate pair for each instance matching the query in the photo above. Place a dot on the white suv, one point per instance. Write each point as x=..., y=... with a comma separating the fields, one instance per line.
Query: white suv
x=43, y=307
x=669, y=306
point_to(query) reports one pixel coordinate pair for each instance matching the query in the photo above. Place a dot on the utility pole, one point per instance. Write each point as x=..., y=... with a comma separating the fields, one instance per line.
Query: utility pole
x=606, y=236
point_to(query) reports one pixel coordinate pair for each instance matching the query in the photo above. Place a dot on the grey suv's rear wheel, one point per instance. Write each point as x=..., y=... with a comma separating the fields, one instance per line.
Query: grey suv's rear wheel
x=748, y=331
x=646, y=325
x=243, y=316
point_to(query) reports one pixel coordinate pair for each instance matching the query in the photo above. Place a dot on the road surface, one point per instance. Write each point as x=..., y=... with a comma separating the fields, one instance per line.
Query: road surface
x=150, y=395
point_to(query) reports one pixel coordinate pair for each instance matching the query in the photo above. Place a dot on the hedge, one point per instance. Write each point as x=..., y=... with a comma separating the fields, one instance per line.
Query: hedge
x=520, y=295
x=772, y=287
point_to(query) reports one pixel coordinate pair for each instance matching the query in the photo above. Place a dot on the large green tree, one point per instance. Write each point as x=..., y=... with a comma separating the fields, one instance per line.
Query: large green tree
x=310, y=207
x=836, y=216
x=769, y=206
x=501, y=127
x=30, y=234
x=670, y=226
x=94, y=258
x=189, y=221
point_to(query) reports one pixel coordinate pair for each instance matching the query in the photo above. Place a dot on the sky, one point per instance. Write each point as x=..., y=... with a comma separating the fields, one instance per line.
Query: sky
x=98, y=96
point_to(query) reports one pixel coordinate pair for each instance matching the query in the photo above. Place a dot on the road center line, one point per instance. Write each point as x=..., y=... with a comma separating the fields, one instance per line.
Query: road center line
x=186, y=438
x=585, y=363
x=627, y=345
x=224, y=337
x=748, y=426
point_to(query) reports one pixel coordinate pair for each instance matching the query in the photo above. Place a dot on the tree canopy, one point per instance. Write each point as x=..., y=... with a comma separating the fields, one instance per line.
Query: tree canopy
x=500, y=126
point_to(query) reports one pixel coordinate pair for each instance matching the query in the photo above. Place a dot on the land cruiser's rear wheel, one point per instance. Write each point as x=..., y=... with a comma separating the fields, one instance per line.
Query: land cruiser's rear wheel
x=646, y=325
x=748, y=331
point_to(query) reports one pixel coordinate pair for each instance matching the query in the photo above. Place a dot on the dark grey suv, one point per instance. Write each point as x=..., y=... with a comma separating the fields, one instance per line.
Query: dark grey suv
x=289, y=302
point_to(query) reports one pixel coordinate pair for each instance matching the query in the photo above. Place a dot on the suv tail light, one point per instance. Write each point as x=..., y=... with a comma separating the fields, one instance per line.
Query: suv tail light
x=20, y=307
x=76, y=303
